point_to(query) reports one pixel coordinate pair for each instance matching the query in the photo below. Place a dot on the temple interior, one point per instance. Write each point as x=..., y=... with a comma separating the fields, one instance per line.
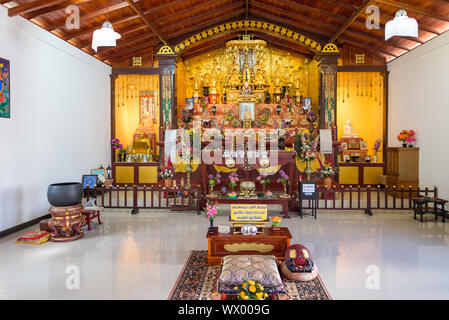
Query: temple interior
x=224, y=150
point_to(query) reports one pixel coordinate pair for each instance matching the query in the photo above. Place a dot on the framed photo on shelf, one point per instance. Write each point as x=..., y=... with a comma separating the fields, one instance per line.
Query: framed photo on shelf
x=247, y=111
x=364, y=145
x=367, y=158
x=89, y=180
x=344, y=146
x=101, y=173
x=346, y=158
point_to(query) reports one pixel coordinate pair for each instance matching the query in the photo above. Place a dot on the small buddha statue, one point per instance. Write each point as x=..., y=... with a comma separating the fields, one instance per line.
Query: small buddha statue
x=213, y=83
x=277, y=84
x=348, y=131
x=246, y=89
x=259, y=78
x=142, y=146
x=234, y=79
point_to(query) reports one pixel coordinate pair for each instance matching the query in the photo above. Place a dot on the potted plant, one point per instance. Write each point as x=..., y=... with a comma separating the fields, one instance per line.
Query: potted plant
x=411, y=140
x=168, y=173
x=213, y=181
x=211, y=211
x=285, y=180
x=276, y=221
x=403, y=137
x=327, y=172
x=252, y=290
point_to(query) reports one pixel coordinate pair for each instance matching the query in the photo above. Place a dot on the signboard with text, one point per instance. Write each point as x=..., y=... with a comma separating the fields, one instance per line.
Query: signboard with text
x=249, y=212
x=308, y=190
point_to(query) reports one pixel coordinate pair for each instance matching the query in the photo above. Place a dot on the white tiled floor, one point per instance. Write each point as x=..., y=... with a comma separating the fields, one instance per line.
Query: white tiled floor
x=140, y=257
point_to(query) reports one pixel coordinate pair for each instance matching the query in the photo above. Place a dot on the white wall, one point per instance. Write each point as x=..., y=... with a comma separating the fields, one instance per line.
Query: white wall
x=419, y=99
x=60, y=118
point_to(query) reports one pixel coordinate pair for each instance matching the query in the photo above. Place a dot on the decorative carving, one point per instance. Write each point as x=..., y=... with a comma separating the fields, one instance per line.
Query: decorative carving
x=166, y=50
x=330, y=47
x=259, y=247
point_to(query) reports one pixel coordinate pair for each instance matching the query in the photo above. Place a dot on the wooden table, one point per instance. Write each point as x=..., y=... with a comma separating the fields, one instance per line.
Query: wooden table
x=421, y=207
x=267, y=243
x=284, y=202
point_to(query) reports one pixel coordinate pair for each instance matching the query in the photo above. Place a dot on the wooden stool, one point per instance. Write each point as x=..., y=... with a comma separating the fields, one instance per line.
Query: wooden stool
x=91, y=214
x=439, y=202
x=418, y=204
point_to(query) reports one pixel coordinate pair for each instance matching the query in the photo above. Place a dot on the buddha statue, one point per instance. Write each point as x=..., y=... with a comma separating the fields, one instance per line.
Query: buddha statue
x=142, y=146
x=348, y=131
x=247, y=74
x=213, y=83
x=234, y=79
x=259, y=78
x=277, y=84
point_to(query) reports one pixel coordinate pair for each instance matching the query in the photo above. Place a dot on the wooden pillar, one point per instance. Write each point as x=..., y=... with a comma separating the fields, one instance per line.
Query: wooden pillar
x=328, y=101
x=168, y=104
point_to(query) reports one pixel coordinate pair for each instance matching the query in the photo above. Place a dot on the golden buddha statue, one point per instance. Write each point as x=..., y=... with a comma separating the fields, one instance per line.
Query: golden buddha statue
x=259, y=78
x=277, y=84
x=247, y=75
x=142, y=148
x=213, y=83
x=234, y=79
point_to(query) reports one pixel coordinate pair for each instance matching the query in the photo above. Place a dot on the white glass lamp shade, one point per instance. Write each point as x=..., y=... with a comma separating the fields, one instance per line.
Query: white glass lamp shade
x=105, y=37
x=402, y=26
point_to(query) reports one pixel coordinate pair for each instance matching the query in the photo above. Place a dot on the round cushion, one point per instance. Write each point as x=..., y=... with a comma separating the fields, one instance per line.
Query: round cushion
x=299, y=276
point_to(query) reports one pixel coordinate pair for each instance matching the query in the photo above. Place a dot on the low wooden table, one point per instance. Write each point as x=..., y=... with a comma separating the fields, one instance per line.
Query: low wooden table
x=267, y=243
x=284, y=202
x=421, y=207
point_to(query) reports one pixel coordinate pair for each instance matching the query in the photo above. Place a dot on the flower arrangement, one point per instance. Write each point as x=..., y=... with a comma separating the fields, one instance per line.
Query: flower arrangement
x=186, y=116
x=377, y=145
x=327, y=171
x=230, y=117
x=306, y=146
x=211, y=211
x=276, y=221
x=233, y=180
x=252, y=290
x=213, y=181
x=117, y=145
x=168, y=171
x=407, y=136
x=311, y=117
x=263, y=180
x=285, y=180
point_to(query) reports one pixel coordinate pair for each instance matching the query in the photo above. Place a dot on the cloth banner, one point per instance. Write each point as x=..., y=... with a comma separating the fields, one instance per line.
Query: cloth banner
x=170, y=144
x=326, y=141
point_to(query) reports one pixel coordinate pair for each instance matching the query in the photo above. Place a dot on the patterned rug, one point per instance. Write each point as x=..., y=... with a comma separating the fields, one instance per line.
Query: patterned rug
x=198, y=280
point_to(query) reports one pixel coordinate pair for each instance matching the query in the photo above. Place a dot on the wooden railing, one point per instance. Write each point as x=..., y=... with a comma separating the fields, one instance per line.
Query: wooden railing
x=146, y=197
x=369, y=198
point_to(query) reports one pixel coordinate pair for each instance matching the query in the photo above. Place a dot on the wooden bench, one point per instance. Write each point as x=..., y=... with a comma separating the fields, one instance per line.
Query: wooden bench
x=421, y=207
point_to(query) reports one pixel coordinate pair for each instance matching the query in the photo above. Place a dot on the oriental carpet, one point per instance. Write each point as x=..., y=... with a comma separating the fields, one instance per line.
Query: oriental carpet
x=198, y=281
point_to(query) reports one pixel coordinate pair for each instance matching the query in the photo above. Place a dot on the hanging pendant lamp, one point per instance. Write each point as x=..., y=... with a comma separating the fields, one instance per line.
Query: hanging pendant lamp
x=106, y=36
x=401, y=26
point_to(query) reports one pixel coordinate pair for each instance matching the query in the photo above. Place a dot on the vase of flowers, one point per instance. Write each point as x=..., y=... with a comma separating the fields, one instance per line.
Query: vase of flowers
x=233, y=180
x=116, y=145
x=211, y=211
x=311, y=118
x=327, y=172
x=275, y=225
x=252, y=290
x=285, y=180
x=168, y=173
x=376, y=148
x=406, y=136
x=411, y=140
x=213, y=181
x=306, y=149
x=264, y=181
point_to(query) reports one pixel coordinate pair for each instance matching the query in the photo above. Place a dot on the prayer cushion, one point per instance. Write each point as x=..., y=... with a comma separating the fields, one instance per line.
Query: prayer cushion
x=299, y=276
x=237, y=269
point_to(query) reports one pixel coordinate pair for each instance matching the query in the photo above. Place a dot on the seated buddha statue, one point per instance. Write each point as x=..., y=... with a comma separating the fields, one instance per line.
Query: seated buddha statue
x=277, y=84
x=213, y=83
x=259, y=77
x=348, y=131
x=142, y=146
x=234, y=79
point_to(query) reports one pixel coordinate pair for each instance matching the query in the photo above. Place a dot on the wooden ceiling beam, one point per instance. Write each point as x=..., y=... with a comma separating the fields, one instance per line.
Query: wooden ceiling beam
x=61, y=24
x=142, y=15
x=353, y=17
x=415, y=9
x=339, y=4
x=373, y=50
x=31, y=6
x=36, y=13
x=300, y=6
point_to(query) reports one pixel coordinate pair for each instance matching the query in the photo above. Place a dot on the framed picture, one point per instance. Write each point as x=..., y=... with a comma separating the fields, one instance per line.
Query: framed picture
x=5, y=89
x=247, y=111
x=89, y=180
x=364, y=145
x=101, y=173
x=367, y=158
x=346, y=158
x=148, y=105
x=344, y=146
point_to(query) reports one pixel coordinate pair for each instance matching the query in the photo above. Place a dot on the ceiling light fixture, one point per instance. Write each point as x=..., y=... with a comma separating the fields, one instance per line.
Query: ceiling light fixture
x=401, y=26
x=106, y=36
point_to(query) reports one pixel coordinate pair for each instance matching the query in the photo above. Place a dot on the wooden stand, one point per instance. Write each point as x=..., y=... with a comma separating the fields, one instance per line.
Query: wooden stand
x=268, y=243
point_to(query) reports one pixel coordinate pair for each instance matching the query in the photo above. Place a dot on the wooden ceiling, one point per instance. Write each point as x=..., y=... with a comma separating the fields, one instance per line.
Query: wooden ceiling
x=147, y=24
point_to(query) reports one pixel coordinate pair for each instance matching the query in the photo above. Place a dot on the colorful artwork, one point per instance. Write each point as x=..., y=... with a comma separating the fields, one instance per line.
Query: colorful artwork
x=5, y=89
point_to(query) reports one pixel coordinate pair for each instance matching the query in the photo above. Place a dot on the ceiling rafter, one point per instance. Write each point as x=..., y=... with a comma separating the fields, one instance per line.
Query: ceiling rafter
x=36, y=13
x=415, y=9
x=353, y=17
x=142, y=15
x=31, y=6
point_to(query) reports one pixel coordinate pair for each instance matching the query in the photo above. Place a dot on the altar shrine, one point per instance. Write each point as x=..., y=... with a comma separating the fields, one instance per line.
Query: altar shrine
x=268, y=97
